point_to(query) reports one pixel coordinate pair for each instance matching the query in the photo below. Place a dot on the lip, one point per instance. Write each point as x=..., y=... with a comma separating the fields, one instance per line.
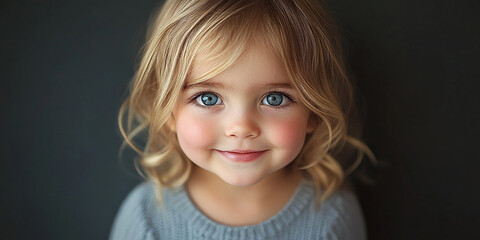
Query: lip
x=242, y=156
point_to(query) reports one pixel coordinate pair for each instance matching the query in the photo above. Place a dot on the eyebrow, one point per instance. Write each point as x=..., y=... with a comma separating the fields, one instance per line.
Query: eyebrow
x=205, y=85
x=222, y=86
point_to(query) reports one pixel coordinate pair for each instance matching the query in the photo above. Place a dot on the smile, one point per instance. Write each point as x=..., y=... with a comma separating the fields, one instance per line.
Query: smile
x=242, y=156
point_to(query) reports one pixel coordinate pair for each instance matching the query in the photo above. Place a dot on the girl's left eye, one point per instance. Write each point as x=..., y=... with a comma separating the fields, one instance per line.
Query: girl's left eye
x=208, y=99
x=275, y=99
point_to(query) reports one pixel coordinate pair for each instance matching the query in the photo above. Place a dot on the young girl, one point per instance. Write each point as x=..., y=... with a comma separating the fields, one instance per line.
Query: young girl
x=246, y=106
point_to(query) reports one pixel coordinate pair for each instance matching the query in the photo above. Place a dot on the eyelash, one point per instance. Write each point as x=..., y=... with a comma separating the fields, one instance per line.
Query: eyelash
x=193, y=99
x=290, y=99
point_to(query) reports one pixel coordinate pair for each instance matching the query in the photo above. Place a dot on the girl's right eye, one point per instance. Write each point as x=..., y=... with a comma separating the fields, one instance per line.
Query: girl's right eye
x=208, y=99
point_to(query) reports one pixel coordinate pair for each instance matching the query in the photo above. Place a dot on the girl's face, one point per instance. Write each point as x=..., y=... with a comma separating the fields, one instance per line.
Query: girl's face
x=243, y=124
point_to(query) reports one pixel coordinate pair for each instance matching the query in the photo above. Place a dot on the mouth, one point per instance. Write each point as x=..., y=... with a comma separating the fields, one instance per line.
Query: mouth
x=242, y=156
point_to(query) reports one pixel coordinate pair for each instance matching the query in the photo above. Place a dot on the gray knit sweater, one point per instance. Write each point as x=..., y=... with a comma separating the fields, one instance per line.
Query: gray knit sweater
x=141, y=217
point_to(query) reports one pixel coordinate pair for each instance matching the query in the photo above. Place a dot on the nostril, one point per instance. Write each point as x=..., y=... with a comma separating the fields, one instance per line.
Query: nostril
x=242, y=123
x=242, y=132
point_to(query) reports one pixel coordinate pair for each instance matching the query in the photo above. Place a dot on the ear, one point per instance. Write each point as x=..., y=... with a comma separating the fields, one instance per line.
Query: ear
x=170, y=123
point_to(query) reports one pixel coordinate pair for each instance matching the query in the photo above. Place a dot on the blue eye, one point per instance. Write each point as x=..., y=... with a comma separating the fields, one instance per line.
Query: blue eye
x=208, y=99
x=275, y=99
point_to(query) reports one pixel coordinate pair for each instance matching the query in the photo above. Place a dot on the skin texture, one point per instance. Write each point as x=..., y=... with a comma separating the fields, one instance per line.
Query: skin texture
x=242, y=120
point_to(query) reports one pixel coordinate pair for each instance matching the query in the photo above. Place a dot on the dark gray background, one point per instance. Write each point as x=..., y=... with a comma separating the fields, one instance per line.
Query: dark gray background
x=64, y=68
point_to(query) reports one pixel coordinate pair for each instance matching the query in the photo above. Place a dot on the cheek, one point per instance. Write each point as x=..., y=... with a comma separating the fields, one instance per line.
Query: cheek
x=194, y=133
x=289, y=134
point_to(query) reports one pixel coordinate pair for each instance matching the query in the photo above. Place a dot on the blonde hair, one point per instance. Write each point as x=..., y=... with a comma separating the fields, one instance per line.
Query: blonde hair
x=299, y=31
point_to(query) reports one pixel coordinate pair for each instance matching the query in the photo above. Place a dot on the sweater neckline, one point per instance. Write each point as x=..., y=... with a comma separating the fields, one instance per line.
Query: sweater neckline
x=206, y=228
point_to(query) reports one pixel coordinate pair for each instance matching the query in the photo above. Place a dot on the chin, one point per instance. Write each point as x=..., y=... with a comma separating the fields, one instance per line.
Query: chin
x=240, y=181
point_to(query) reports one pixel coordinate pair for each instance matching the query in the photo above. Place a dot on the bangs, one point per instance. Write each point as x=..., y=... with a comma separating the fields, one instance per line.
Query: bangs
x=220, y=38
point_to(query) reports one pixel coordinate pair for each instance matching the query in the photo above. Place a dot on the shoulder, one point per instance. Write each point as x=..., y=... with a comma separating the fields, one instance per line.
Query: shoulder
x=132, y=220
x=342, y=217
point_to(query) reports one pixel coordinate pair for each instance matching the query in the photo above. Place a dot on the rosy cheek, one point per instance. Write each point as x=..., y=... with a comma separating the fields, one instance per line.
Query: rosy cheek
x=288, y=133
x=194, y=132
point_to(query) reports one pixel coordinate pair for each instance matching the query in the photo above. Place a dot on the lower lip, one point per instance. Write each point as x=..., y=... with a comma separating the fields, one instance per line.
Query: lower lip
x=242, y=157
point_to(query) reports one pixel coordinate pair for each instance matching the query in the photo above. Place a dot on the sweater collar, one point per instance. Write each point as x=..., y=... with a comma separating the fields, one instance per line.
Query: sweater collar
x=205, y=228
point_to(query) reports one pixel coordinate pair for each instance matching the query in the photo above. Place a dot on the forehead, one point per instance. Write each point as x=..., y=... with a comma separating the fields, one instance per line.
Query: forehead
x=256, y=60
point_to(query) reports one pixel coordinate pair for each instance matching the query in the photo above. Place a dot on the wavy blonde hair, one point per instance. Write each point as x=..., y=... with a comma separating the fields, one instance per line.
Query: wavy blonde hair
x=300, y=32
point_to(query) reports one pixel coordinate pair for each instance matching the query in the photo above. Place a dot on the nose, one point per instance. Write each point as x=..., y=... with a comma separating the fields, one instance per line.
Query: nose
x=242, y=125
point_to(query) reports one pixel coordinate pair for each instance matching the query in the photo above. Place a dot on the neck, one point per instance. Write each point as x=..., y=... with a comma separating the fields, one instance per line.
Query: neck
x=238, y=206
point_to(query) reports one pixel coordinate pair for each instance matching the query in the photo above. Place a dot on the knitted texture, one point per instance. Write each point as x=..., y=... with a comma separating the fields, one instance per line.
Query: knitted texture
x=142, y=217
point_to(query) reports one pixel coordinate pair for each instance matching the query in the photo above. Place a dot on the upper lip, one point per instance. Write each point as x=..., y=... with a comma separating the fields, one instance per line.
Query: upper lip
x=243, y=151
